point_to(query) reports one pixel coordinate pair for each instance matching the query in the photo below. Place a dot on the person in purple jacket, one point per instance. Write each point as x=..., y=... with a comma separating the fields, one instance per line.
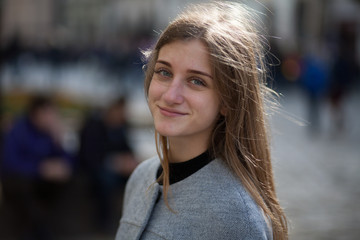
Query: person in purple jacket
x=34, y=168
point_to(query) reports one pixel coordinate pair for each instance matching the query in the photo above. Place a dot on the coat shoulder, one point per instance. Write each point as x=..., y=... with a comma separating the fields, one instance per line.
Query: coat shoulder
x=146, y=168
x=142, y=177
x=238, y=209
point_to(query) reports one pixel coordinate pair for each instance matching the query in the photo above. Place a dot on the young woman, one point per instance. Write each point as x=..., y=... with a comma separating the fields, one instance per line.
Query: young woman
x=212, y=178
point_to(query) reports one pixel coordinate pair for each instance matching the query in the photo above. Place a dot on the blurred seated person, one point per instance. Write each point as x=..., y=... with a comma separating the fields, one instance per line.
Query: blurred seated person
x=108, y=158
x=35, y=168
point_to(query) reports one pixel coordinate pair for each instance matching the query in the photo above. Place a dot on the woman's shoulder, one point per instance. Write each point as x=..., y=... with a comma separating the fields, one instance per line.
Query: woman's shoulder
x=226, y=183
x=229, y=199
x=150, y=164
x=141, y=179
x=146, y=170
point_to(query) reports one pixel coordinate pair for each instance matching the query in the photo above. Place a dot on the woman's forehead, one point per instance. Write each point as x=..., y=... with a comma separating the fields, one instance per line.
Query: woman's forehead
x=189, y=54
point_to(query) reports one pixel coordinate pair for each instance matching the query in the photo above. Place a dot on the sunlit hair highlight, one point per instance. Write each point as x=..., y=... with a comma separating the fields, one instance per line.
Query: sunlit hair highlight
x=240, y=138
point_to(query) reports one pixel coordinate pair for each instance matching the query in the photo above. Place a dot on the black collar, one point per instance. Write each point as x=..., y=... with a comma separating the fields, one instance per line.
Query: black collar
x=182, y=170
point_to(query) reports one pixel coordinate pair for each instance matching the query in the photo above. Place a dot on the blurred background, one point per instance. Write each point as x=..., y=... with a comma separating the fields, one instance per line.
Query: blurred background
x=72, y=105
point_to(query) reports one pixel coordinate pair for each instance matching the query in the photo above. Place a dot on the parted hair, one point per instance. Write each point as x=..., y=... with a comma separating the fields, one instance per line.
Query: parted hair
x=236, y=48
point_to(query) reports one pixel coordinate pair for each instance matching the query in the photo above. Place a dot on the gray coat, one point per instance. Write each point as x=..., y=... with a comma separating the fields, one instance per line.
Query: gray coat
x=210, y=204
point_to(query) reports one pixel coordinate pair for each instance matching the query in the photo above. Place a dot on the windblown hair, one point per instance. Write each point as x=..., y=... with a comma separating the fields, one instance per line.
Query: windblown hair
x=240, y=138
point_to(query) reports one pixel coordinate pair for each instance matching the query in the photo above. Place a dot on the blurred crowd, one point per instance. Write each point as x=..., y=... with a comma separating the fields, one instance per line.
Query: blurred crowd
x=326, y=78
x=36, y=170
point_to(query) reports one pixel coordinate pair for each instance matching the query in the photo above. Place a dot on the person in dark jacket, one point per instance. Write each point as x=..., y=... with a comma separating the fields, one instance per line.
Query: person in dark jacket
x=108, y=160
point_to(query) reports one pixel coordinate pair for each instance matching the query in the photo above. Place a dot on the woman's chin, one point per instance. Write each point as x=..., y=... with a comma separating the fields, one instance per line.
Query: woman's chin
x=166, y=132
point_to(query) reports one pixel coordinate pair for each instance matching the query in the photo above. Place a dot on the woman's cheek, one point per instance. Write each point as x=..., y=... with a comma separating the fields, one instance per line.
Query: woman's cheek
x=153, y=95
x=155, y=90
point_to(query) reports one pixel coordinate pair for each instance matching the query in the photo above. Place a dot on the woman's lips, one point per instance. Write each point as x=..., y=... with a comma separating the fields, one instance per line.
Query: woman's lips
x=170, y=112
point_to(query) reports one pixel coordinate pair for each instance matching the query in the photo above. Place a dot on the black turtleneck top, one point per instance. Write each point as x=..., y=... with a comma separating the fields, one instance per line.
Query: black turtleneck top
x=182, y=170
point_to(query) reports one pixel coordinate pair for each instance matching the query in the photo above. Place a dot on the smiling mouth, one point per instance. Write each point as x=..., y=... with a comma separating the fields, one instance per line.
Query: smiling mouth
x=170, y=112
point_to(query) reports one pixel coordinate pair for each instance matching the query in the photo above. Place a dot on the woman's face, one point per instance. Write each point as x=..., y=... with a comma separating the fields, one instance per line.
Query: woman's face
x=182, y=98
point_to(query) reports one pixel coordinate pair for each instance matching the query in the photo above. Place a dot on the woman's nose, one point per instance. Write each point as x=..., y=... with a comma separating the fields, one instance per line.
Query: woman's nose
x=174, y=92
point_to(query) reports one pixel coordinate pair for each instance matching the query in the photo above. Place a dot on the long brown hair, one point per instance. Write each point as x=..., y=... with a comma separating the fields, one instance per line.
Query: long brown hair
x=240, y=136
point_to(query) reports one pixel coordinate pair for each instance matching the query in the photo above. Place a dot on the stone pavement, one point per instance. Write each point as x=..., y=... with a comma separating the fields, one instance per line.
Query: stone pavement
x=317, y=174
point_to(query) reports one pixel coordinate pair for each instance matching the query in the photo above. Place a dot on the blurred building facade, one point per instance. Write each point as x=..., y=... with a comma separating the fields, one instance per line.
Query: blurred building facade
x=299, y=23
x=102, y=39
x=89, y=50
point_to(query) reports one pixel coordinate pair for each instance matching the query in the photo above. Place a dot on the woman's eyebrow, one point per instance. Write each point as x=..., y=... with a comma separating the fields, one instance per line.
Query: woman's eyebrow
x=164, y=62
x=190, y=70
x=200, y=73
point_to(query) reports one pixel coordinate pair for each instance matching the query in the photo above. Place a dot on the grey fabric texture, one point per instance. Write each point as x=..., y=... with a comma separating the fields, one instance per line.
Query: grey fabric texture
x=210, y=204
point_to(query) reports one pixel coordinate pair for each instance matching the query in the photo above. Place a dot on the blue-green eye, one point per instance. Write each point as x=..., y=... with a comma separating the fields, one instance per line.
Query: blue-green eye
x=163, y=73
x=198, y=82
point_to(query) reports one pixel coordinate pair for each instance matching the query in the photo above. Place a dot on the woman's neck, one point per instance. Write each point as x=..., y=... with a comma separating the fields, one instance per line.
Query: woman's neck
x=182, y=150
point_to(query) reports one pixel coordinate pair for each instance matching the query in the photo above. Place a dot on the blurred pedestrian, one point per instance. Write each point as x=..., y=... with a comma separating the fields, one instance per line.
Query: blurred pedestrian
x=35, y=168
x=314, y=80
x=212, y=178
x=344, y=72
x=107, y=157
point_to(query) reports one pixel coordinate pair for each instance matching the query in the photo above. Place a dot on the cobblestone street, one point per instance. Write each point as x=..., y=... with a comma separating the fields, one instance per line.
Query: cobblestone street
x=317, y=175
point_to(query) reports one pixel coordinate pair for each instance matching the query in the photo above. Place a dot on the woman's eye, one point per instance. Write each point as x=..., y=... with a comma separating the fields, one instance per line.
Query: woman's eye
x=197, y=82
x=163, y=73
